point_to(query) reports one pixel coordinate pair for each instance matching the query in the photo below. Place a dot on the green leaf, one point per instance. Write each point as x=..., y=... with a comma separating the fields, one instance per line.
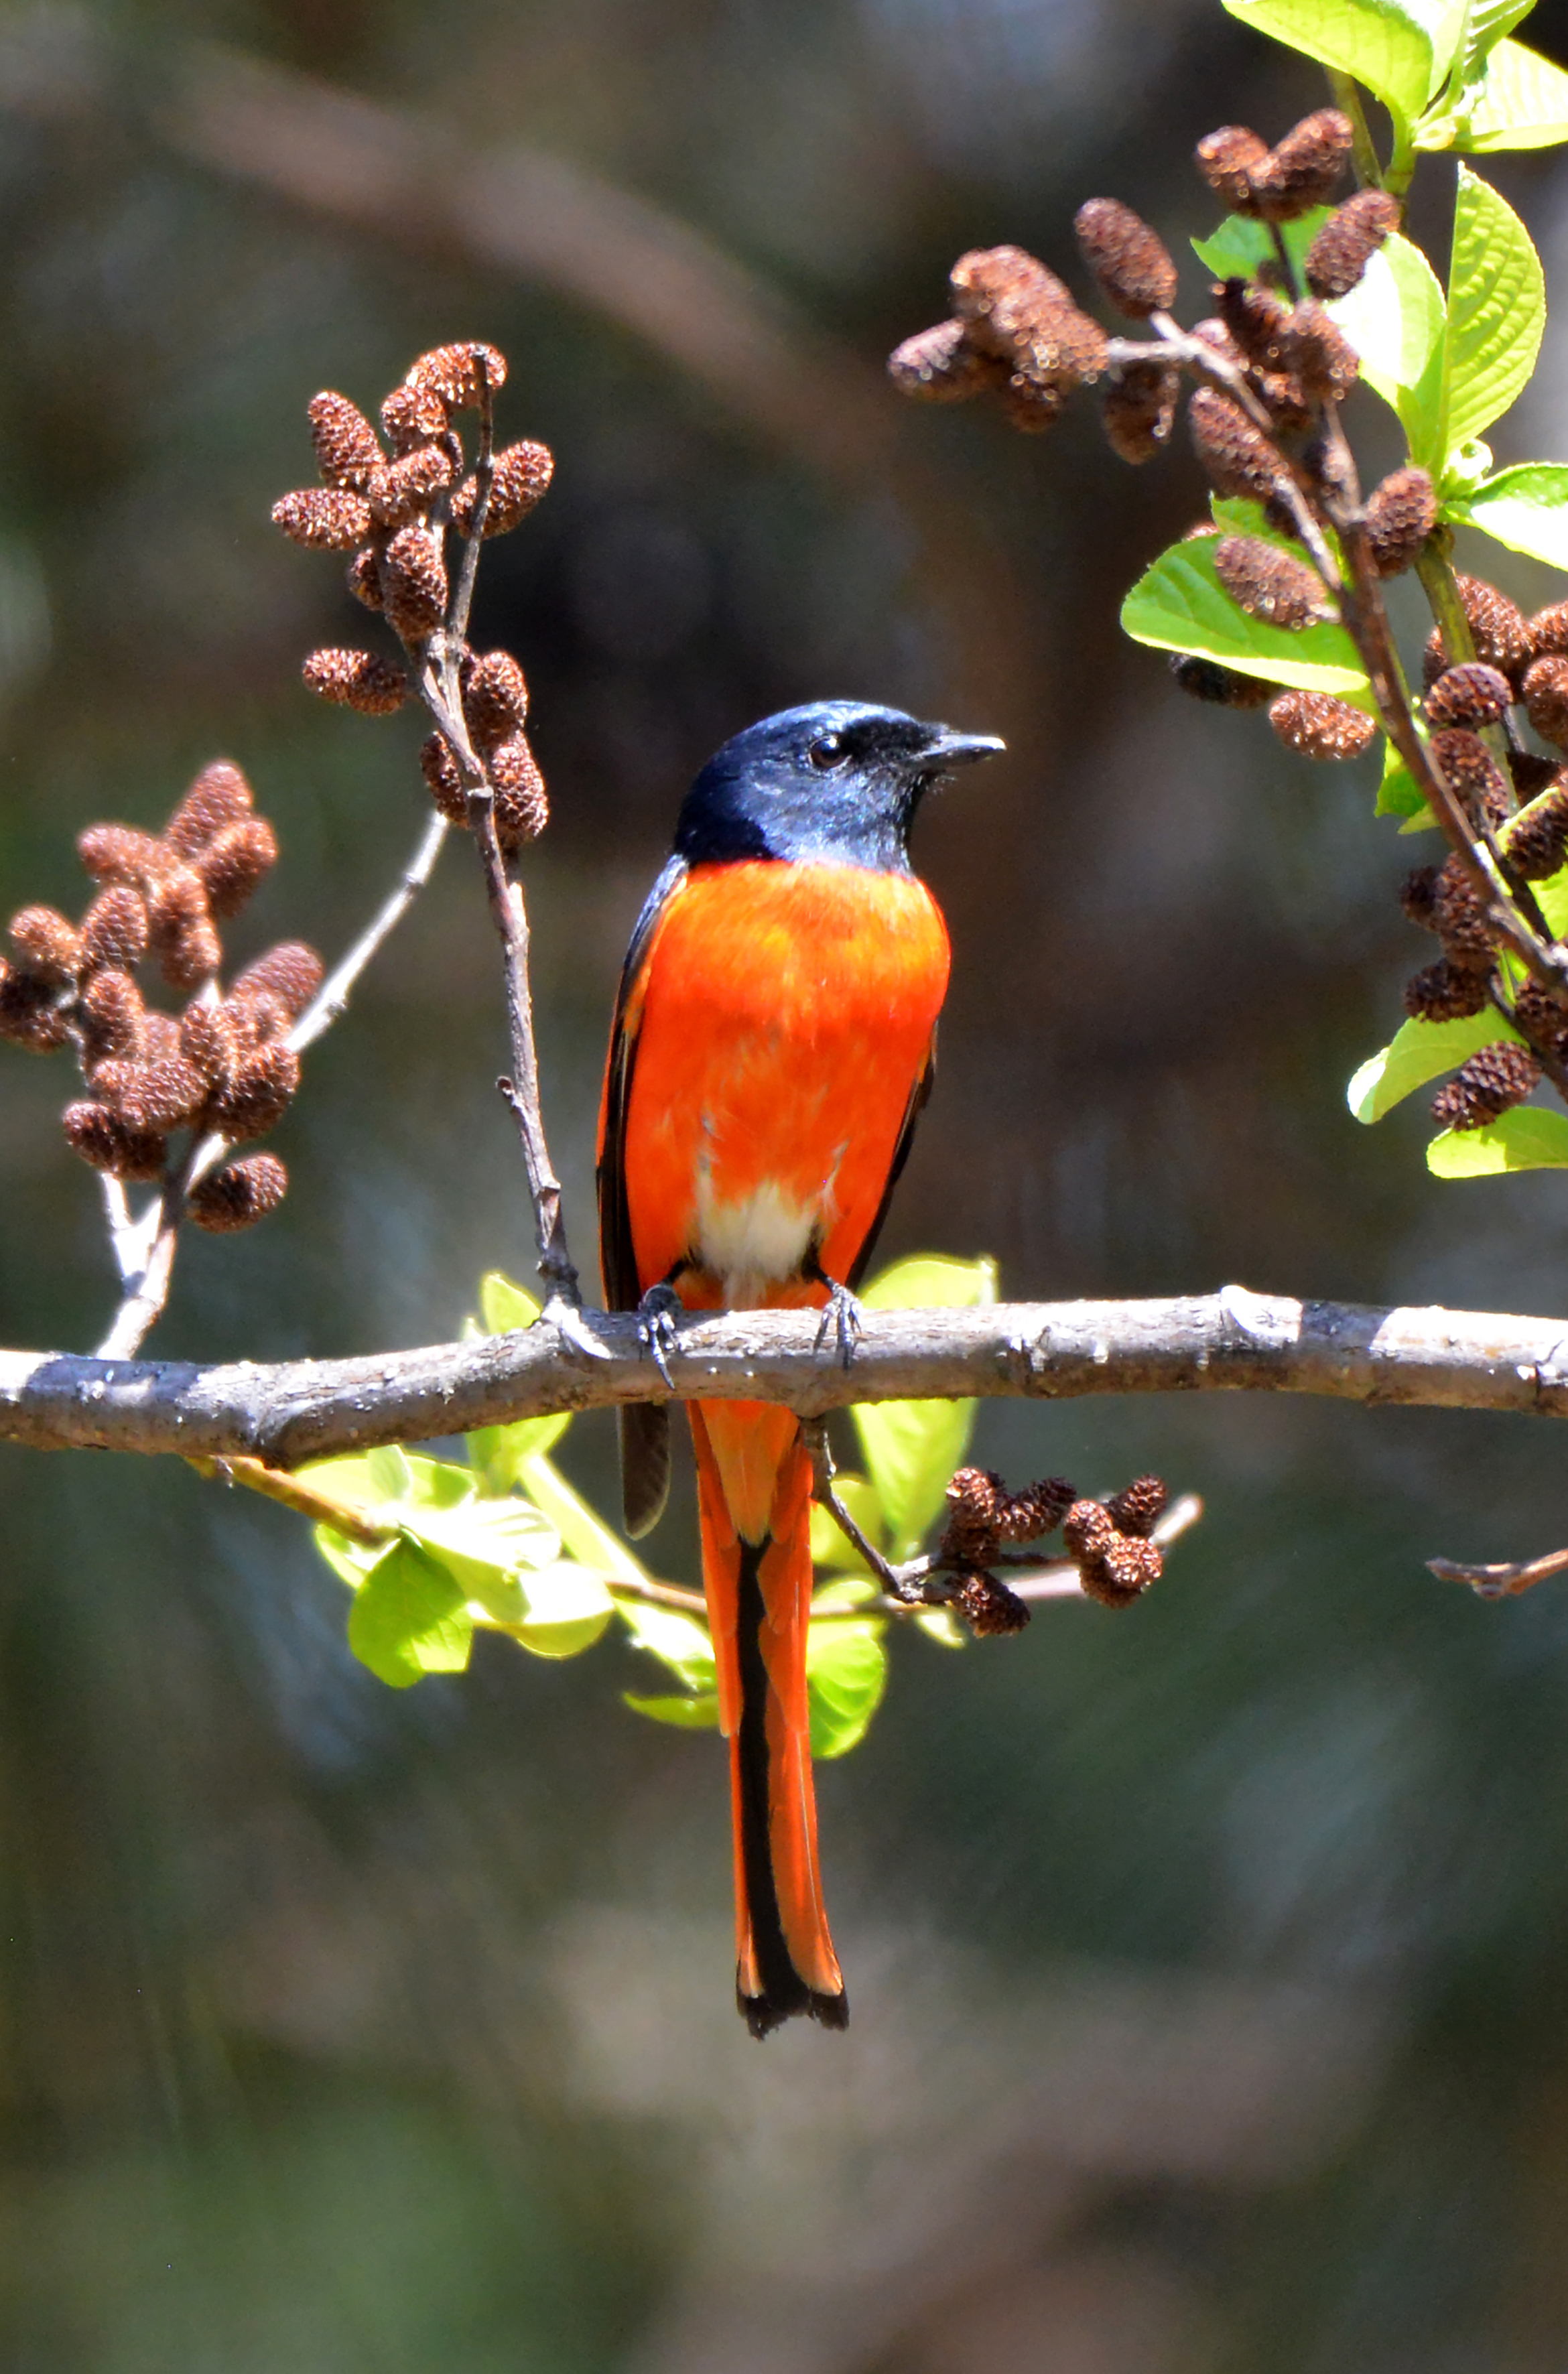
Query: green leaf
x=829, y=1548
x=350, y=1561
x=1390, y=49
x=1553, y=893
x=939, y=1623
x=1241, y=244
x=584, y=1533
x=1398, y=794
x=407, y=1618
x=1485, y=21
x=562, y=1610
x=682, y=1714
x=1420, y=1051
x=498, y=1455
x=1496, y=310
x=1179, y=605
x=679, y=1641
x=504, y=1305
x=1525, y=508
x=1524, y=1139
x=846, y=1671
x=1523, y=103
x=912, y=1447
x=1395, y=318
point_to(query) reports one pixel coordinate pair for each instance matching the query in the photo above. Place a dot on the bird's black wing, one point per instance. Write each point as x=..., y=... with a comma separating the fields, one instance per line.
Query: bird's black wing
x=644, y=1427
x=919, y=1096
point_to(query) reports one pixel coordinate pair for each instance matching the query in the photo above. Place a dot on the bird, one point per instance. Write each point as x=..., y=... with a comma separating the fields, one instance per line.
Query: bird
x=773, y=1044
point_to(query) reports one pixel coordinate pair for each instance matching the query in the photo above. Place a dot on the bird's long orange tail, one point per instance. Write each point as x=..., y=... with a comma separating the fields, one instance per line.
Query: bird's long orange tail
x=754, y=1495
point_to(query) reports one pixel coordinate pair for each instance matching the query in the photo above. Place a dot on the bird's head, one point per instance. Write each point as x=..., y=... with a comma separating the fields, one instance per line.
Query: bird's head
x=838, y=781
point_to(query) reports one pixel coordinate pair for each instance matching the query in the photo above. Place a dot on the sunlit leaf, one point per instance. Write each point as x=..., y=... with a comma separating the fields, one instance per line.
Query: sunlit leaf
x=1525, y=1139
x=504, y=1305
x=831, y=1547
x=912, y=1447
x=1398, y=794
x=1486, y=22
x=1395, y=318
x=700, y=1713
x=584, y=1533
x=1242, y=243
x=1496, y=310
x=1525, y=508
x=941, y=1625
x=1179, y=605
x=1420, y=1051
x=677, y=1640
x=1523, y=103
x=1401, y=53
x=350, y=1561
x=407, y=1618
x=498, y=1455
x=846, y=1671
x=562, y=1610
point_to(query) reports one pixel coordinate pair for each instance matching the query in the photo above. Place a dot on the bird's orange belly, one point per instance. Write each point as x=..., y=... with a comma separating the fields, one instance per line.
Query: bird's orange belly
x=786, y=1014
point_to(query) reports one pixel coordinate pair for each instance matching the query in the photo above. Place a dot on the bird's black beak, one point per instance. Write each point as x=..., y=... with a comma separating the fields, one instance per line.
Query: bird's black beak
x=947, y=750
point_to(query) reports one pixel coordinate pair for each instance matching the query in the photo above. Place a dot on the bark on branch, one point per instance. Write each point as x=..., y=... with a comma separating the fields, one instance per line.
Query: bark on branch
x=1231, y=1341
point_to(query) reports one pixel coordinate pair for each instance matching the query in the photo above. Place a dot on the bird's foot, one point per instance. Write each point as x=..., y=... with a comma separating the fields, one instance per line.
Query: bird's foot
x=844, y=1318
x=657, y=1315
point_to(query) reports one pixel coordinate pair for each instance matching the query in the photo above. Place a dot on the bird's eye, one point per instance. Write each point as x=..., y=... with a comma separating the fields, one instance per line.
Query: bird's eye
x=826, y=751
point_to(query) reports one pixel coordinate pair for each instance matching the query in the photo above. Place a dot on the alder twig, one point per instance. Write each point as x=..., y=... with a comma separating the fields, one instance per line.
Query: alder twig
x=331, y=1000
x=1499, y=1581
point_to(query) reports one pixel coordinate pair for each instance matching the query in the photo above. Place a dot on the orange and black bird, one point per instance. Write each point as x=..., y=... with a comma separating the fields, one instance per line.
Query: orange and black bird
x=772, y=1045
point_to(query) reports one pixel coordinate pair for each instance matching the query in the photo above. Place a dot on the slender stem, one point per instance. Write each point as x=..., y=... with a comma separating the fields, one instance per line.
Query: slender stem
x=293, y=1492
x=1499, y=1581
x=1347, y=100
x=484, y=475
x=899, y=1582
x=331, y=1000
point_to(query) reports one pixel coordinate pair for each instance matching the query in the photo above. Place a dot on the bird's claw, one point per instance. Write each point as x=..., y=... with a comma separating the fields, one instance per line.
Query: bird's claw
x=844, y=1318
x=656, y=1316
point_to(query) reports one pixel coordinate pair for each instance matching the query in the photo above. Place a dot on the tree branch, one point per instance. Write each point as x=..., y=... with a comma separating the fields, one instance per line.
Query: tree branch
x=1232, y=1341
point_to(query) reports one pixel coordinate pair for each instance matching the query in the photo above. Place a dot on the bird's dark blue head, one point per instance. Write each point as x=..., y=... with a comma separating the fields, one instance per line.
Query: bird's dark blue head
x=838, y=781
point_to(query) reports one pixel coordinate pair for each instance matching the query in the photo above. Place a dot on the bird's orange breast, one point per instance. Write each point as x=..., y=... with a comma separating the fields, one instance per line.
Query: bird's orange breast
x=782, y=1016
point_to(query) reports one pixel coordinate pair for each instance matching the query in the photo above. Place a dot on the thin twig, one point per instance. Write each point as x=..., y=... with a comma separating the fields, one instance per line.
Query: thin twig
x=331, y=1000
x=1499, y=1581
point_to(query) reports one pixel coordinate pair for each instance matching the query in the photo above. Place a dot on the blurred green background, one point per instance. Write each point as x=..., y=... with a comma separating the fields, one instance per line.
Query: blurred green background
x=1210, y=1963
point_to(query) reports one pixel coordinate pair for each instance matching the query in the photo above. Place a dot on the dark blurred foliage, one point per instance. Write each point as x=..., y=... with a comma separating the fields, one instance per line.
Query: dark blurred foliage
x=1210, y=1963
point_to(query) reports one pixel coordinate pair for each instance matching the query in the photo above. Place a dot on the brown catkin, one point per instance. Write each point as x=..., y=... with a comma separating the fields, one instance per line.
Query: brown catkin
x=176, y=902
x=1471, y=695
x=1401, y=512
x=1203, y=679
x=330, y=518
x=522, y=810
x=117, y=852
x=1499, y=628
x=458, y=373
x=1532, y=773
x=191, y=955
x=1441, y=994
x=292, y=972
x=258, y=1090
x=1039, y=1509
x=1538, y=842
x=162, y=1036
x=1238, y=458
x=1018, y=311
x=1346, y=243
x=940, y=366
x=1319, y=354
x=1494, y=1080
x=235, y=862
x=400, y=489
x=259, y=1019
x=974, y=1497
x=346, y=446
x=1472, y=774
x=29, y=1015
x=114, y=930
x=101, y=1137
x=1137, y=410
x=411, y=416
x=1317, y=726
x=495, y=697
x=1460, y=918
x=363, y=579
x=988, y=1607
x=220, y=795
x=152, y=1096
x=1545, y=688
x=1229, y=159
x=413, y=583
x=1549, y=629
x=208, y=1038
x=1268, y=583
x=47, y=943
x=443, y=778
x=1255, y=320
x=523, y=474
x=1300, y=172
x=240, y=1195
x=1538, y=1013
x=1131, y=261
x=360, y=680
x=1122, y=1571
x=113, y=1020
x=1418, y=896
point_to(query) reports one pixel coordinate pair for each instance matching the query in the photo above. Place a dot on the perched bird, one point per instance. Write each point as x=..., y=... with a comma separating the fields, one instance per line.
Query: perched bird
x=772, y=1045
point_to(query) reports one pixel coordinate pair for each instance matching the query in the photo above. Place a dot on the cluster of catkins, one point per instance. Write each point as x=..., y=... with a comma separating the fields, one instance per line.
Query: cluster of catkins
x=223, y=1064
x=1015, y=328
x=1520, y=664
x=1108, y=1541
x=393, y=507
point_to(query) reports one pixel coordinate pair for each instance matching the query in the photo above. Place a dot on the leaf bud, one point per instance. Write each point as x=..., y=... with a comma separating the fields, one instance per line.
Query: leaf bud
x=1346, y=243
x=239, y=1195
x=1494, y=1080
x=360, y=680
x=346, y=446
x=1315, y=725
x=1268, y=583
x=328, y=519
x=1129, y=260
x=47, y=943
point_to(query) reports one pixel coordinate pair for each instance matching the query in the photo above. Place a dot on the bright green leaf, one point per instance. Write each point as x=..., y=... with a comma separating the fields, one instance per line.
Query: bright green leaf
x=1241, y=244
x=846, y=1671
x=1525, y=508
x=851, y=1591
x=407, y=1618
x=912, y=1447
x=1395, y=318
x=677, y=1640
x=564, y=1610
x=1389, y=48
x=504, y=1305
x=1524, y=1139
x=831, y=1547
x=939, y=1623
x=1552, y=894
x=1485, y=21
x=388, y=1471
x=1179, y=605
x=1496, y=310
x=683, y=1714
x=1523, y=103
x=1420, y=1051
x=584, y=1533
x=1398, y=794
x=490, y=1549
x=498, y=1455
x=350, y=1561
x=433, y=1483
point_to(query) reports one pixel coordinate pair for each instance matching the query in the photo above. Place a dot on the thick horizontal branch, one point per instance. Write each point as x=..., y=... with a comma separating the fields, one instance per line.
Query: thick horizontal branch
x=1231, y=1341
